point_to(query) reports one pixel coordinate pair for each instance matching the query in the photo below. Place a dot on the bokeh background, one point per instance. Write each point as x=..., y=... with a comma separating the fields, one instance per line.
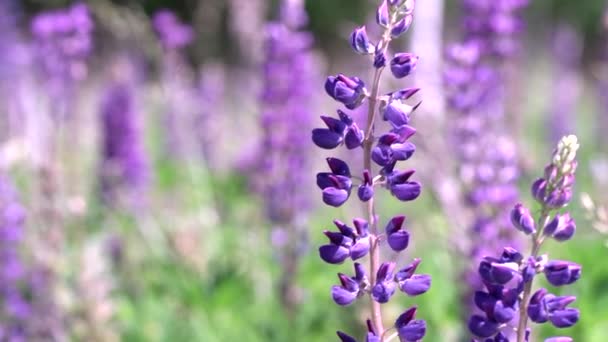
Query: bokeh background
x=134, y=168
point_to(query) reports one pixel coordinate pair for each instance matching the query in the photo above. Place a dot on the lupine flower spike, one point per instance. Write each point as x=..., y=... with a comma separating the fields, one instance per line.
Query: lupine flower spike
x=508, y=279
x=284, y=163
x=381, y=280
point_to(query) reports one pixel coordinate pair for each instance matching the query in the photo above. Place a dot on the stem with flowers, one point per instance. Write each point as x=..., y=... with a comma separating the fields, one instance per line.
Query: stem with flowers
x=395, y=16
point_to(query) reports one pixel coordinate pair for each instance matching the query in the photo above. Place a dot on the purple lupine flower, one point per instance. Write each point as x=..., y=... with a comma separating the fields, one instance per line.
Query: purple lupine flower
x=474, y=80
x=62, y=43
x=351, y=287
x=289, y=75
x=390, y=148
x=12, y=60
x=26, y=304
x=180, y=93
x=172, y=33
x=124, y=169
x=507, y=298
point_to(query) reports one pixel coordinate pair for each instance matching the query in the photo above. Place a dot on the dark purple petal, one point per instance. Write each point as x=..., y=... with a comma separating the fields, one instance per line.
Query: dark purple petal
x=481, y=327
x=404, y=94
x=335, y=197
x=360, y=273
x=360, y=248
x=395, y=224
x=403, y=151
x=413, y=331
x=406, y=317
x=344, y=337
x=359, y=41
x=383, y=291
x=497, y=273
x=365, y=192
x=338, y=167
x=397, y=113
x=334, y=254
x=561, y=273
x=403, y=64
x=325, y=138
x=354, y=137
x=503, y=313
x=564, y=318
x=539, y=188
x=385, y=271
x=522, y=219
x=408, y=271
x=484, y=301
x=382, y=14
x=406, y=192
x=379, y=59
x=382, y=155
x=416, y=285
x=536, y=308
x=562, y=227
x=398, y=241
x=401, y=26
x=324, y=180
x=342, y=296
x=334, y=124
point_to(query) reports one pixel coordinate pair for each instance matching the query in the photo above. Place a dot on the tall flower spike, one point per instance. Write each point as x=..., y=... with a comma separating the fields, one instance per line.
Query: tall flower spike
x=124, y=170
x=475, y=81
x=391, y=147
x=289, y=76
x=180, y=95
x=26, y=302
x=508, y=280
x=63, y=41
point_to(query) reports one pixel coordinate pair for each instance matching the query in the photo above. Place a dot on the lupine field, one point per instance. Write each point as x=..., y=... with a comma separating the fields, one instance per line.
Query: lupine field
x=304, y=170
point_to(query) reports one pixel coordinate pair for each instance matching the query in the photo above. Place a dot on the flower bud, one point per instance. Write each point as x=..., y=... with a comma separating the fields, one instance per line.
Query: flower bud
x=561, y=228
x=403, y=64
x=522, y=219
x=382, y=14
x=398, y=238
x=379, y=59
x=366, y=190
x=561, y=273
x=408, y=328
x=359, y=41
x=401, y=26
x=348, y=90
x=539, y=188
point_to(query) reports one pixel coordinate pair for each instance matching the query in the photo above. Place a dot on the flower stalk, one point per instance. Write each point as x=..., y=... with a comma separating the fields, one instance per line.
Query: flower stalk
x=381, y=279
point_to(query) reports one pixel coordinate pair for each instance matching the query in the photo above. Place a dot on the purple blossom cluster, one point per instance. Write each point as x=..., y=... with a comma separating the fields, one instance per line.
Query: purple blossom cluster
x=289, y=72
x=63, y=41
x=124, y=169
x=179, y=89
x=172, y=33
x=288, y=76
x=474, y=82
x=24, y=297
x=507, y=300
x=494, y=23
x=15, y=309
x=381, y=280
x=12, y=58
